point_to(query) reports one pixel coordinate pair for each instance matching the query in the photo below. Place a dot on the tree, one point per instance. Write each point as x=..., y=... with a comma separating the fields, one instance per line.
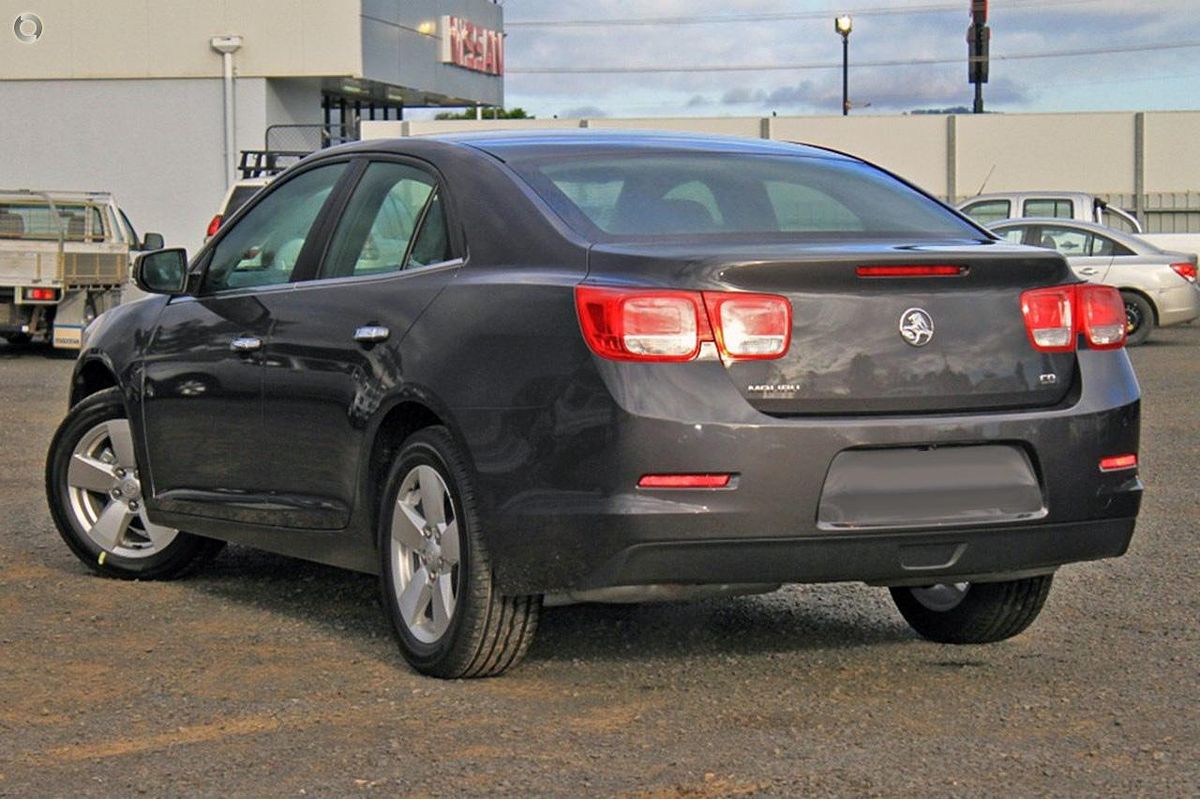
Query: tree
x=487, y=113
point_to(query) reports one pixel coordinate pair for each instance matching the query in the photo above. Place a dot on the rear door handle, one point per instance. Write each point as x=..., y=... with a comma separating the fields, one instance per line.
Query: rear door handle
x=371, y=334
x=246, y=344
x=1088, y=270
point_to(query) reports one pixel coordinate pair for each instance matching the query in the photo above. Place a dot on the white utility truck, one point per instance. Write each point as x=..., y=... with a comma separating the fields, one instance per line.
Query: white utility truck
x=64, y=259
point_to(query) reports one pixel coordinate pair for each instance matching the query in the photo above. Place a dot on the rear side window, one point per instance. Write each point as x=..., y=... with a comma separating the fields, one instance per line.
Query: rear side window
x=1060, y=209
x=988, y=211
x=394, y=221
x=1067, y=241
x=651, y=195
x=1013, y=235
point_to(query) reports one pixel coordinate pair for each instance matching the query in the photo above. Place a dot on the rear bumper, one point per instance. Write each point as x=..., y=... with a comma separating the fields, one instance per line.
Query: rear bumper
x=882, y=558
x=557, y=486
x=1178, y=304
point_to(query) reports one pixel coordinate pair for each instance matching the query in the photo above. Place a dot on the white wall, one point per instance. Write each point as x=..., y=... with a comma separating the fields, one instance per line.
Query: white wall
x=949, y=155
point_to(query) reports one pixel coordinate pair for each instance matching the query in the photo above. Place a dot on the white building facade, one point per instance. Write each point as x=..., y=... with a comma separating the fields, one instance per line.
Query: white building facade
x=134, y=97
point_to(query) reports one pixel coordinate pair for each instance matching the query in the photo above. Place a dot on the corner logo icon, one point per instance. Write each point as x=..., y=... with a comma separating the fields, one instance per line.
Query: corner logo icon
x=28, y=28
x=916, y=327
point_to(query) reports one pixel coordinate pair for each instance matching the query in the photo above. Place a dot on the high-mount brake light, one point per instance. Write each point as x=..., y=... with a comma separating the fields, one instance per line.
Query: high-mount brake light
x=912, y=271
x=706, y=480
x=675, y=325
x=1186, y=270
x=214, y=225
x=1055, y=315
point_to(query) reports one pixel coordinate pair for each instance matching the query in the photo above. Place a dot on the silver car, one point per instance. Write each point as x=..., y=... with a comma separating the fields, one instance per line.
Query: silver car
x=1159, y=287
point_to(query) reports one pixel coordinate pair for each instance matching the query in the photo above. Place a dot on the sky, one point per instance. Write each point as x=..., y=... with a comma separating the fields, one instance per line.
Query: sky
x=1164, y=73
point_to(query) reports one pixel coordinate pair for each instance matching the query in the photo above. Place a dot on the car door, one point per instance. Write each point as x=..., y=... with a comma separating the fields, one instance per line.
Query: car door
x=202, y=369
x=1077, y=244
x=336, y=350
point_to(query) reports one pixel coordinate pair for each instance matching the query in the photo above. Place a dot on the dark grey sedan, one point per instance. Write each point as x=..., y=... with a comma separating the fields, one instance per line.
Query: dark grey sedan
x=502, y=370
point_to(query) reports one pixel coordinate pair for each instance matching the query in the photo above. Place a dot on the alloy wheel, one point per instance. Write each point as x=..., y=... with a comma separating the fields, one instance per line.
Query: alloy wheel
x=425, y=553
x=105, y=494
x=941, y=596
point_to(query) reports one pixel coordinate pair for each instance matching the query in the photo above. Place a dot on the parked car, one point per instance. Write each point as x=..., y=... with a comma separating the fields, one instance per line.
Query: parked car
x=235, y=197
x=989, y=208
x=1157, y=287
x=607, y=366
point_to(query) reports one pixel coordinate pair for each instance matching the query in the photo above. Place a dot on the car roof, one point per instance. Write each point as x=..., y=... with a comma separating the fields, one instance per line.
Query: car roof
x=513, y=144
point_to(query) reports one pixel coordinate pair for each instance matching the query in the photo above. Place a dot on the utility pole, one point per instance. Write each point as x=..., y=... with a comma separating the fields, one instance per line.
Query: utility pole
x=979, y=37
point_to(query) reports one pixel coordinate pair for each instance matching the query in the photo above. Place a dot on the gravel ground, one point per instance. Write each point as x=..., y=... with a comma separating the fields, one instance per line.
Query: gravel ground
x=264, y=676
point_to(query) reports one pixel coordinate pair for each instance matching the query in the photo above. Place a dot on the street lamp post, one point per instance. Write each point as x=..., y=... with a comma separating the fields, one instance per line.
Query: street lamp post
x=843, y=24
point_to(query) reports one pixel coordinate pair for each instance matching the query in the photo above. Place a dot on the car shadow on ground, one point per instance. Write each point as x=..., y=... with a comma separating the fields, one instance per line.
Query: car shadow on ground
x=34, y=350
x=346, y=604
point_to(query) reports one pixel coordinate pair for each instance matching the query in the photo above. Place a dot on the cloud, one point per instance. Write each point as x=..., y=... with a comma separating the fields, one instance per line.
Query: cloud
x=581, y=112
x=891, y=33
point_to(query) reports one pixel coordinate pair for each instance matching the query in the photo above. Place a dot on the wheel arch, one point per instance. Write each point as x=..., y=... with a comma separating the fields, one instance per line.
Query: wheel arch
x=91, y=376
x=401, y=420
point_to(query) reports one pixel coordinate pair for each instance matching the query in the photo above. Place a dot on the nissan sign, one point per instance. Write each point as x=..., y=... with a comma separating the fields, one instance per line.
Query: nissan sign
x=471, y=46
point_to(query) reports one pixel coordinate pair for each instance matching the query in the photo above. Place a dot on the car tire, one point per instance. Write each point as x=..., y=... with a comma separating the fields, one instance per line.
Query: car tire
x=449, y=617
x=972, y=613
x=94, y=492
x=1139, y=318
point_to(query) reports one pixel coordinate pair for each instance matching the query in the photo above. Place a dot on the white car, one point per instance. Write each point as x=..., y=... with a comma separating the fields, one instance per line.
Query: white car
x=1159, y=287
x=990, y=208
x=238, y=193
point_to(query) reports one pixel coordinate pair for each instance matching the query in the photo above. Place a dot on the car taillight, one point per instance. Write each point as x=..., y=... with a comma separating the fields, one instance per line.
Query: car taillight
x=1056, y=314
x=1048, y=318
x=1102, y=316
x=39, y=295
x=214, y=226
x=1186, y=270
x=671, y=325
x=753, y=326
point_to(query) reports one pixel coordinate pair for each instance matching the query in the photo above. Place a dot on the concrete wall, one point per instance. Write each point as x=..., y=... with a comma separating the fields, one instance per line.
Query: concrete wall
x=156, y=144
x=914, y=146
x=170, y=38
x=1173, y=150
x=951, y=156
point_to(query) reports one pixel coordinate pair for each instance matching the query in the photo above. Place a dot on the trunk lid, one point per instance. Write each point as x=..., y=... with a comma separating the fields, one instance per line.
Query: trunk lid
x=848, y=354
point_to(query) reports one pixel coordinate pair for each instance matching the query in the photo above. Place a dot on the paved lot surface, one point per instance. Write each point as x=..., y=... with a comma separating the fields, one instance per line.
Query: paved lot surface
x=267, y=676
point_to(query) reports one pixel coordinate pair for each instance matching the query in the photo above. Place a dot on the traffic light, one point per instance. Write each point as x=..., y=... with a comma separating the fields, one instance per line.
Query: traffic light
x=979, y=37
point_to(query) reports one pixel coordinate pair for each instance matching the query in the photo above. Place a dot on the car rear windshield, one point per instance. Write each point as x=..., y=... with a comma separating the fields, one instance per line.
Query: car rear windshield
x=238, y=198
x=640, y=196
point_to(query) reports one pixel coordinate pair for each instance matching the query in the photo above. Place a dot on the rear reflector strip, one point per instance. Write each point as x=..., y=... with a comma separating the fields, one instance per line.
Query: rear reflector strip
x=700, y=481
x=1113, y=463
x=912, y=271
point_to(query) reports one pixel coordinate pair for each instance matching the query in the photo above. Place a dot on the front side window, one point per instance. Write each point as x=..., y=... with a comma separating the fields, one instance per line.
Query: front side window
x=985, y=212
x=1059, y=209
x=394, y=221
x=263, y=247
x=645, y=195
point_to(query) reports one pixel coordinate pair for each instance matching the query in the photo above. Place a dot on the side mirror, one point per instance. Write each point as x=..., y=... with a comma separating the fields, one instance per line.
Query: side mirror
x=153, y=241
x=162, y=271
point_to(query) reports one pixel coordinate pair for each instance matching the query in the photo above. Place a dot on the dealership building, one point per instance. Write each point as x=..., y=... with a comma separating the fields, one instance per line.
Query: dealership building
x=155, y=101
